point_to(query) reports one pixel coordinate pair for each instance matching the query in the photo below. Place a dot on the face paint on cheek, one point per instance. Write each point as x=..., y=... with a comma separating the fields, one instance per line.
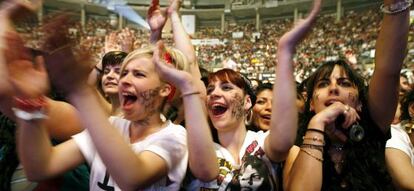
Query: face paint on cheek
x=236, y=105
x=147, y=98
x=352, y=97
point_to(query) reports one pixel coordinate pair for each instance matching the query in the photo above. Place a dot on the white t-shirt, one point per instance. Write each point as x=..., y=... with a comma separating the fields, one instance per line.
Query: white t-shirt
x=255, y=172
x=170, y=143
x=400, y=140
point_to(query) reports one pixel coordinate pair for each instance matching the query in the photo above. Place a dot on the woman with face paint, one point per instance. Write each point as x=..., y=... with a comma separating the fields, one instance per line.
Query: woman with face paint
x=347, y=125
x=254, y=160
x=139, y=151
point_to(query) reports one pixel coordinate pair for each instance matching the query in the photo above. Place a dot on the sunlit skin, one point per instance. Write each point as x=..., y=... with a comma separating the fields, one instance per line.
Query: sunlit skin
x=110, y=79
x=139, y=79
x=338, y=88
x=262, y=110
x=232, y=101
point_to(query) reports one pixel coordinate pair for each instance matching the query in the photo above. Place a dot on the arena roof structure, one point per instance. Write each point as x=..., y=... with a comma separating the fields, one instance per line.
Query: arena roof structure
x=212, y=10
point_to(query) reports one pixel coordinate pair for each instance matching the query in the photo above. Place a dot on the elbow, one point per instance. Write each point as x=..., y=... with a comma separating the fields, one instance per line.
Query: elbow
x=207, y=175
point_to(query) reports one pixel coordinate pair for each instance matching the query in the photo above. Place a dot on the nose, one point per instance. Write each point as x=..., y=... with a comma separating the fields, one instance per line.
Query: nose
x=125, y=81
x=268, y=106
x=333, y=89
x=214, y=93
x=112, y=74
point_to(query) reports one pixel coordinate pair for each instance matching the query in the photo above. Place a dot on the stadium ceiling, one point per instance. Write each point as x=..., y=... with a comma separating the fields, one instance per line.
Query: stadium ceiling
x=212, y=10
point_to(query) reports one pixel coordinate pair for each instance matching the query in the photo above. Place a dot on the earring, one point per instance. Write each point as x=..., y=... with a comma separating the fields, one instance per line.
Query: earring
x=249, y=117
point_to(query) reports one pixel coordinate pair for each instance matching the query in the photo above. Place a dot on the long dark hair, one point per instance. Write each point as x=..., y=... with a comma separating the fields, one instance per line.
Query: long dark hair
x=405, y=105
x=364, y=164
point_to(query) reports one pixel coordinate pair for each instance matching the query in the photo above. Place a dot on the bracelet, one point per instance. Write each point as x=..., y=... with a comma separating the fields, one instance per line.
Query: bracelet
x=396, y=7
x=316, y=130
x=311, y=155
x=315, y=138
x=190, y=93
x=97, y=69
x=312, y=146
x=29, y=116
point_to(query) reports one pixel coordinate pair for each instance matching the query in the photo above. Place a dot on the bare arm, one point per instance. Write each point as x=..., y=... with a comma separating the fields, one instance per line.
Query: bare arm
x=130, y=170
x=400, y=168
x=202, y=156
x=389, y=56
x=284, y=119
x=40, y=159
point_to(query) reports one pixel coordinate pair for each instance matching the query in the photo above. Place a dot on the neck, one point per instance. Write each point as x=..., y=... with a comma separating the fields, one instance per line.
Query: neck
x=233, y=139
x=116, y=105
x=142, y=128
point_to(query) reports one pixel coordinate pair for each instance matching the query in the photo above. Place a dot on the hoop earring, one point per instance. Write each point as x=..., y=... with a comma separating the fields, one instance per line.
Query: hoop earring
x=249, y=117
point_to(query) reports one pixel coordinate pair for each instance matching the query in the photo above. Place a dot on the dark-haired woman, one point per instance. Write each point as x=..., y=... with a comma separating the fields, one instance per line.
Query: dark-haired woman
x=262, y=109
x=335, y=154
x=399, y=152
x=254, y=160
x=107, y=81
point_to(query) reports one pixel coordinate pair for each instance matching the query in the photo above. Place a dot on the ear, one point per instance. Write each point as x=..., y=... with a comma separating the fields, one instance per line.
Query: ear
x=247, y=103
x=165, y=89
x=311, y=107
x=359, y=106
x=411, y=108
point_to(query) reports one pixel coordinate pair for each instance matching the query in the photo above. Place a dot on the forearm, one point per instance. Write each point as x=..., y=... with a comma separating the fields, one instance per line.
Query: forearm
x=120, y=160
x=284, y=113
x=183, y=43
x=306, y=173
x=390, y=53
x=155, y=36
x=34, y=149
x=202, y=156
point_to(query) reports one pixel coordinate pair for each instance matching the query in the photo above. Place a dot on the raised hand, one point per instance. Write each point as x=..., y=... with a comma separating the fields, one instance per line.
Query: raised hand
x=127, y=40
x=174, y=7
x=156, y=17
x=329, y=116
x=28, y=79
x=290, y=39
x=177, y=77
x=111, y=42
x=68, y=70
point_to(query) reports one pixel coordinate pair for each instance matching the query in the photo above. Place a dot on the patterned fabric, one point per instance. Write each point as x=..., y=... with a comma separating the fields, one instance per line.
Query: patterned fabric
x=255, y=172
x=8, y=155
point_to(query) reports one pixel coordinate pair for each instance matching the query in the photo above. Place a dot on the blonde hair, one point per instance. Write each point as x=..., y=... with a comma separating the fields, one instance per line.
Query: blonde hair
x=179, y=61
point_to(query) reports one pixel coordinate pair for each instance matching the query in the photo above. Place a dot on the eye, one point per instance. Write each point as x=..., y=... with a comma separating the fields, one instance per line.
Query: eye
x=117, y=70
x=106, y=71
x=227, y=87
x=209, y=89
x=138, y=74
x=124, y=73
x=345, y=83
x=261, y=101
x=322, y=83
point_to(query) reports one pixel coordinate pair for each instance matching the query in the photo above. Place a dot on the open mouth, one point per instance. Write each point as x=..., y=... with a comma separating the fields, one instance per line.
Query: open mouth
x=128, y=99
x=266, y=117
x=218, y=109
